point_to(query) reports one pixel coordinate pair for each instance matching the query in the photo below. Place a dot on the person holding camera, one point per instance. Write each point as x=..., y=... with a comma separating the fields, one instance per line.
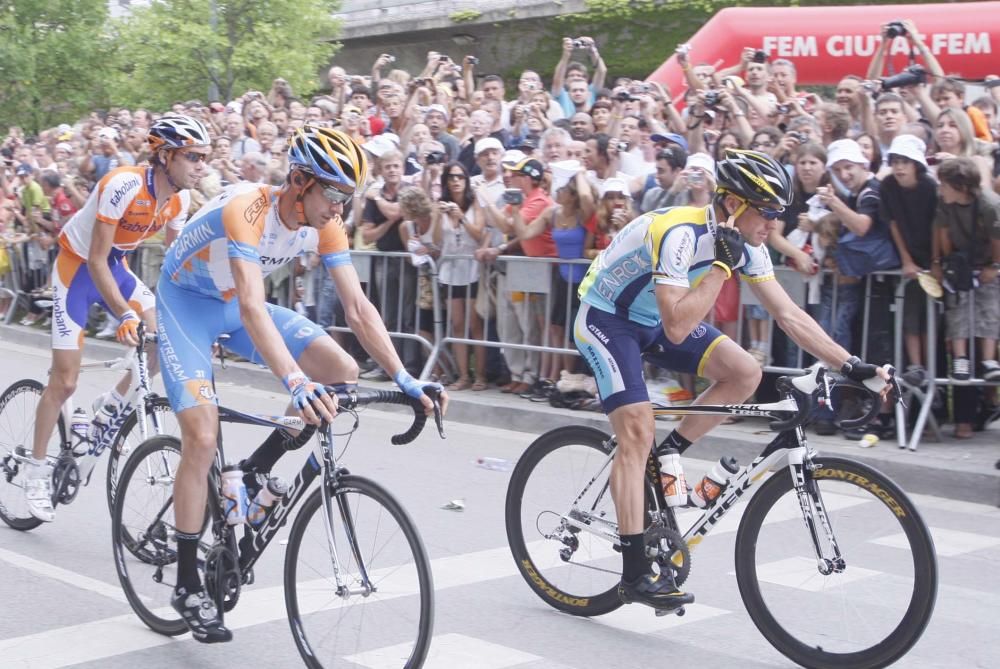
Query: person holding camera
x=568, y=71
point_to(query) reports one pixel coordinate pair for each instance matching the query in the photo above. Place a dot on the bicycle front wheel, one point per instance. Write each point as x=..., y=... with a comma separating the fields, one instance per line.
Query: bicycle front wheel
x=18, y=406
x=870, y=609
x=363, y=621
x=144, y=534
x=564, y=543
x=160, y=421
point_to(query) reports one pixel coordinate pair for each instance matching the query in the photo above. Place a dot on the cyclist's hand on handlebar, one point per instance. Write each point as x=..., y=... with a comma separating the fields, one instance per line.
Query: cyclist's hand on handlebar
x=310, y=399
x=417, y=390
x=857, y=370
x=128, y=328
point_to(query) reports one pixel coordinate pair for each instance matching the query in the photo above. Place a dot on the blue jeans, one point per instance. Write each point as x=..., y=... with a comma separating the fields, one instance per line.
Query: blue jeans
x=841, y=323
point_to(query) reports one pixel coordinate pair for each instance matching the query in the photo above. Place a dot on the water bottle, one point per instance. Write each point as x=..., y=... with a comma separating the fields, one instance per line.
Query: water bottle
x=714, y=482
x=80, y=427
x=234, y=494
x=274, y=490
x=672, y=477
x=496, y=464
x=101, y=422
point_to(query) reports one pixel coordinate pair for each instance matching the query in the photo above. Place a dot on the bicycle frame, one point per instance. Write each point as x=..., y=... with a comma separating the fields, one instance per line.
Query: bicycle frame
x=139, y=391
x=788, y=448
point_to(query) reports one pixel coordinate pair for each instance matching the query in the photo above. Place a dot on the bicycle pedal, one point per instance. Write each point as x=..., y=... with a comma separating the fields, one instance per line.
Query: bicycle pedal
x=679, y=611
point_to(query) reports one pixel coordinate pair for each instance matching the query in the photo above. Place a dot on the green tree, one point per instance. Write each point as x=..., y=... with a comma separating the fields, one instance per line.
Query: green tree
x=174, y=49
x=54, y=55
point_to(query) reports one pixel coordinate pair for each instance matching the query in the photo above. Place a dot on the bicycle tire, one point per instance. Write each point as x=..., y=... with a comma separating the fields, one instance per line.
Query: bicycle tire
x=154, y=404
x=121, y=538
x=869, y=483
x=583, y=603
x=304, y=615
x=18, y=431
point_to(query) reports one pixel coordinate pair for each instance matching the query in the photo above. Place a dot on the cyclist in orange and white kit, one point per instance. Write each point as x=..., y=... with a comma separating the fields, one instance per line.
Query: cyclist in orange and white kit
x=128, y=205
x=212, y=283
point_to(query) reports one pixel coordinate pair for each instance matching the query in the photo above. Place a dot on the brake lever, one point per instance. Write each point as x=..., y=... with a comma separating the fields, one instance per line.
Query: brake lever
x=439, y=419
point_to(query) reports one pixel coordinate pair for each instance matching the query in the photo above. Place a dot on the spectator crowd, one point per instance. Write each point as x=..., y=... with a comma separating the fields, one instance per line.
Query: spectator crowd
x=894, y=174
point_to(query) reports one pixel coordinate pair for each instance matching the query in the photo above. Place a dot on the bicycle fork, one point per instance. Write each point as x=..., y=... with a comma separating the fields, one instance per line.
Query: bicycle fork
x=800, y=465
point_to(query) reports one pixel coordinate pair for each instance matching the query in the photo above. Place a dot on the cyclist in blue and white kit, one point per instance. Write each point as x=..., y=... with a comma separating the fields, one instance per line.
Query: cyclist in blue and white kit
x=212, y=283
x=649, y=291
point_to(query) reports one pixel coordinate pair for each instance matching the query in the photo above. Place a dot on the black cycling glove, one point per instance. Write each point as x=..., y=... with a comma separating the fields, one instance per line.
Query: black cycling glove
x=729, y=244
x=858, y=370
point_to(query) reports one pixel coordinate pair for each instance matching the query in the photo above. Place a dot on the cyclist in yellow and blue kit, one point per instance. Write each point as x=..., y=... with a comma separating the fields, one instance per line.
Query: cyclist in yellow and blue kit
x=648, y=291
x=212, y=283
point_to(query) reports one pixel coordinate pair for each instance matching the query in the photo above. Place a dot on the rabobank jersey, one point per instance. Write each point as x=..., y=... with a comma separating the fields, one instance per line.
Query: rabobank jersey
x=674, y=246
x=125, y=198
x=242, y=222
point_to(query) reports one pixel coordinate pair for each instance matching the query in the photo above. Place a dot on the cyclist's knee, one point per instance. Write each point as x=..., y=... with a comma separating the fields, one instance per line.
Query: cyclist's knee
x=199, y=447
x=61, y=385
x=744, y=372
x=634, y=428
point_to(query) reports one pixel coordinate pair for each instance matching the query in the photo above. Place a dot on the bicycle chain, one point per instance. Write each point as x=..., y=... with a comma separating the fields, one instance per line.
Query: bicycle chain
x=654, y=536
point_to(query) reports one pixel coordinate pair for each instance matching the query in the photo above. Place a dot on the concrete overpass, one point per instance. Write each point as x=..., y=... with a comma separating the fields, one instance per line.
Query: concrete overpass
x=501, y=33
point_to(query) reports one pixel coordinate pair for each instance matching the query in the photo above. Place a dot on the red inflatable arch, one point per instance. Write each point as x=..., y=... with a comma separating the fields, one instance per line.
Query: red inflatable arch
x=826, y=43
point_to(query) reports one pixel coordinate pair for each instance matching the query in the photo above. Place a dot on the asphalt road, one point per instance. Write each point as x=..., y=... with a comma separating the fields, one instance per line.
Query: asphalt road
x=63, y=606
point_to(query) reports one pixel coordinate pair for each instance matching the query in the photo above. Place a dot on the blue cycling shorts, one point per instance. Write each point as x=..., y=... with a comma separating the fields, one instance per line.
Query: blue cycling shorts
x=189, y=323
x=614, y=348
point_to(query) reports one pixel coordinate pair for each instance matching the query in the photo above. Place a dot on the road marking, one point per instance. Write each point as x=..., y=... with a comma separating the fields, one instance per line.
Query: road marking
x=801, y=573
x=448, y=651
x=47, y=570
x=947, y=543
x=641, y=619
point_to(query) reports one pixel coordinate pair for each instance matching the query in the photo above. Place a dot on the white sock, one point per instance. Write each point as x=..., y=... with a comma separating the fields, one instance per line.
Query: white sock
x=116, y=398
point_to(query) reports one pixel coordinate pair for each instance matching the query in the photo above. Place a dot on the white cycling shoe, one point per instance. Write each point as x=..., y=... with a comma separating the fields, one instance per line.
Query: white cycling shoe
x=38, y=495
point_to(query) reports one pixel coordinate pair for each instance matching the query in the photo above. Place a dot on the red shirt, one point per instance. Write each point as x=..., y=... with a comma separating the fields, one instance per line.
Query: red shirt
x=534, y=204
x=63, y=206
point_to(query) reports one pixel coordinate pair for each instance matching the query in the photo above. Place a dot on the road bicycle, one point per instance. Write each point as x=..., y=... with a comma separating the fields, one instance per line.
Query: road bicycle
x=73, y=457
x=855, y=589
x=356, y=575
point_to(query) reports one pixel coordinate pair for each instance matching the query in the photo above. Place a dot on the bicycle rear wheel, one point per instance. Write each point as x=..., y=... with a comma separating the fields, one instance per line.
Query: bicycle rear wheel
x=867, y=614
x=570, y=568
x=392, y=619
x=143, y=534
x=160, y=421
x=18, y=406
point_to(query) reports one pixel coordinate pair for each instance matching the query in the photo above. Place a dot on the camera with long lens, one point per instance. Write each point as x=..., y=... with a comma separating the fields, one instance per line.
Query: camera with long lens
x=895, y=29
x=911, y=76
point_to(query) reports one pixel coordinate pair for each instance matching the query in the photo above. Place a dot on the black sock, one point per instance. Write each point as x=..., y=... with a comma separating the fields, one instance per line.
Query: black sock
x=676, y=440
x=268, y=453
x=634, y=562
x=187, y=562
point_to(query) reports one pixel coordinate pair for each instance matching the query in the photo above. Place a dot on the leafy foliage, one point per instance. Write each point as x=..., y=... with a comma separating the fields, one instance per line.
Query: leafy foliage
x=54, y=56
x=172, y=52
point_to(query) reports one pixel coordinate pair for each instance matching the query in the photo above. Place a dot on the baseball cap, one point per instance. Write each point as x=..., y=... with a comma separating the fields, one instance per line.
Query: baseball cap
x=525, y=144
x=65, y=131
x=511, y=158
x=380, y=144
x=439, y=109
x=64, y=146
x=487, y=143
x=702, y=160
x=673, y=137
x=563, y=171
x=614, y=185
x=909, y=146
x=107, y=132
x=24, y=169
x=531, y=168
x=845, y=149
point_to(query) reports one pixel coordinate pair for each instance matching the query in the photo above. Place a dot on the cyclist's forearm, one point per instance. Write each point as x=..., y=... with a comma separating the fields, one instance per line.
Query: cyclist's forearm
x=267, y=340
x=106, y=285
x=366, y=324
x=681, y=316
x=807, y=333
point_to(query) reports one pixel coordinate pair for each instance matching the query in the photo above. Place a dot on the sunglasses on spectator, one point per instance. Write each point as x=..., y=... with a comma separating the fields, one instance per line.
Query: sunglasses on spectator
x=334, y=195
x=456, y=176
x=762, y=145
x=195, y=157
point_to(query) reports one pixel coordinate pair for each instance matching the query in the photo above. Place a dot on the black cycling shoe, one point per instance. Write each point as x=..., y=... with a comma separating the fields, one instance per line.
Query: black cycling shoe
x=654, y=590
x=201, y=616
